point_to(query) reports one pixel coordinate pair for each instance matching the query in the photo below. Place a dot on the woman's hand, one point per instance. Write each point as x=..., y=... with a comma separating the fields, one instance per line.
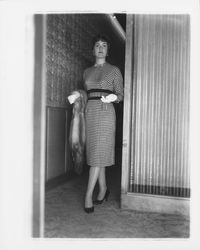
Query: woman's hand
x=73, y=97
x=109, y=98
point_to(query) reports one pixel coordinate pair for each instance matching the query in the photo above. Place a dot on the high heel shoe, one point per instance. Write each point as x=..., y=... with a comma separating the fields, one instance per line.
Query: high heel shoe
x=98, y=202
x=89, y=209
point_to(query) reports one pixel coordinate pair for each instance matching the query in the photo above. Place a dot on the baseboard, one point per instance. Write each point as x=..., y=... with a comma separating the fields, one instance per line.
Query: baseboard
x=156, y=203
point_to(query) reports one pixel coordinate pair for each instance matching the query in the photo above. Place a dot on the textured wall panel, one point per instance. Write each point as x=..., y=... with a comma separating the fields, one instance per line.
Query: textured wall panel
x=160, y=160
x=64, y=65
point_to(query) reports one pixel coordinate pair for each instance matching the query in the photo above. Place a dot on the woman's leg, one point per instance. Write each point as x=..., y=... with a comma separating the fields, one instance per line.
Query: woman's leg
x=102, y=183
x=93, y=176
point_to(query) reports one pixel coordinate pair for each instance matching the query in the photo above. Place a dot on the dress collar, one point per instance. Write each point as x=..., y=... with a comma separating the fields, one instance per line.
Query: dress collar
x=99, y=65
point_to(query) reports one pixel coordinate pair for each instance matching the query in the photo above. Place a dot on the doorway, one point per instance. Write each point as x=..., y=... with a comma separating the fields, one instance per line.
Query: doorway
x=66, y=45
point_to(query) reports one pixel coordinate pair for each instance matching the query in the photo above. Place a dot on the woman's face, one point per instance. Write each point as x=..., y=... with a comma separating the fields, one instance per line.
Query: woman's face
x=100, y=49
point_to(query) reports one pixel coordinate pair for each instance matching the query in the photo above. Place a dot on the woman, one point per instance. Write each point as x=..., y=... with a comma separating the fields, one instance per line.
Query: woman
x=104, y=85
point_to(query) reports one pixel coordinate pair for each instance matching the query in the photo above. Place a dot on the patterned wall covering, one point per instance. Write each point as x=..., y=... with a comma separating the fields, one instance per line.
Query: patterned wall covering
x=68, y=52
x=160, y=155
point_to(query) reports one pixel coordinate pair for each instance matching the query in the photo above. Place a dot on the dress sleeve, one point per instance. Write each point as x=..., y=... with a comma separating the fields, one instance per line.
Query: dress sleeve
x=118, y=85
x=84, y=76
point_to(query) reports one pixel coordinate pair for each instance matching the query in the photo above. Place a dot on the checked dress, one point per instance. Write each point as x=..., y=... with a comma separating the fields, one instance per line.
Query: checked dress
x=100, y=80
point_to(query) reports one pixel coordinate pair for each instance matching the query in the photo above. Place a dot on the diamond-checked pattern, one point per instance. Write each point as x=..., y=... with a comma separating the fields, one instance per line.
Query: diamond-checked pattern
x=100, y=117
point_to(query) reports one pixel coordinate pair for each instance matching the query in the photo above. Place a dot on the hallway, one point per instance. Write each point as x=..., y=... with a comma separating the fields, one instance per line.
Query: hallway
x=65, y=218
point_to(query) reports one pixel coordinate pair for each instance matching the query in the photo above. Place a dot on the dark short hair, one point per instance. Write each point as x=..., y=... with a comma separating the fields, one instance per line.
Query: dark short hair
x=101, y=37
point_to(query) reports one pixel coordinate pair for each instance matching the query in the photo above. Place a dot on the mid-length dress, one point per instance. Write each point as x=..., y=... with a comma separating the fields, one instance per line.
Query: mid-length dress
x=101, y=117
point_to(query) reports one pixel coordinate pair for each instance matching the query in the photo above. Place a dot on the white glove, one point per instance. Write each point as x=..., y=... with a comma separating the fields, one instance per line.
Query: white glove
x=109, y=98
x=73, y=97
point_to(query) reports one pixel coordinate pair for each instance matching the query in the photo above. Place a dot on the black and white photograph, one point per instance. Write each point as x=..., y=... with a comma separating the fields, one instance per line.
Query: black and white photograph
x=116, y=167
x=100, y=137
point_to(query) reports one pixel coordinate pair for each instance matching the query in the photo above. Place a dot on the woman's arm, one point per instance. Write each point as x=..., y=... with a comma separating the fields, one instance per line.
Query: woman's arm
x=118, y=88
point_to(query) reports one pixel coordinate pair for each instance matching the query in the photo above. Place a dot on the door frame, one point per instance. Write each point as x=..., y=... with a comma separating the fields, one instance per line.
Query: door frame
x=128, y=105
x=39, y=113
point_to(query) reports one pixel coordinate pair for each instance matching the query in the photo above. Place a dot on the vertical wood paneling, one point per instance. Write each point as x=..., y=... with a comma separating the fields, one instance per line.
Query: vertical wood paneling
x=56, y=142
x=160, y=161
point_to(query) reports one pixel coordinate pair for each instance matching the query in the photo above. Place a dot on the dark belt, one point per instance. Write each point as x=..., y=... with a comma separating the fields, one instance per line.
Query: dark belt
x=97, y=90
x=100, y=90
x=94, y=98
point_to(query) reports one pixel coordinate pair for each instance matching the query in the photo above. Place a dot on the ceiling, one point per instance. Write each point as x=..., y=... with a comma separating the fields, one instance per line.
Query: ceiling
x=121, y=19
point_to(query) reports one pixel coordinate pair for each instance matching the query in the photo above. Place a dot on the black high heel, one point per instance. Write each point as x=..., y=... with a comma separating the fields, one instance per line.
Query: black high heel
x=98, y=202
x=89, y=209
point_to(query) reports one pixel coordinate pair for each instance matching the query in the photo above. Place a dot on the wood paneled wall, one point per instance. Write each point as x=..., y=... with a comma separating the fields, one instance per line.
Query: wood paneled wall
x=160, y=117
x=58, y=157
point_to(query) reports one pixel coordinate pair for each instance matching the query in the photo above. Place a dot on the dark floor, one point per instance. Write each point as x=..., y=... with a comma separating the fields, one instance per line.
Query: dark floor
x=65, y=217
